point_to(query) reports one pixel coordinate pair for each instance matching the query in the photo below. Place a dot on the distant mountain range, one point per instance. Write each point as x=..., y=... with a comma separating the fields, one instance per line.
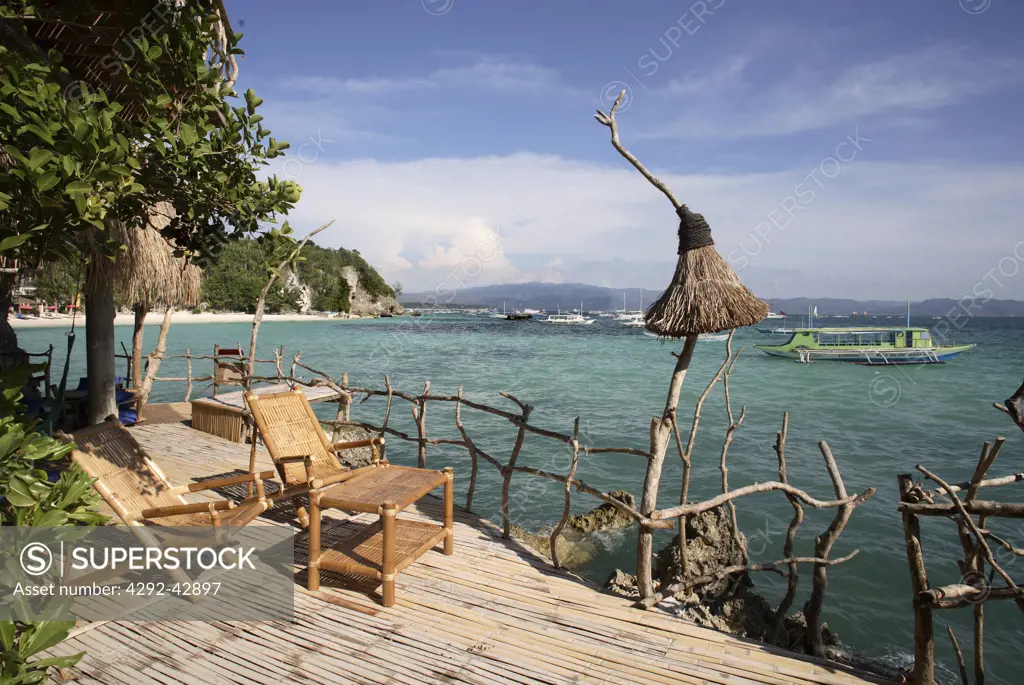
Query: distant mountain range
x=552, y=296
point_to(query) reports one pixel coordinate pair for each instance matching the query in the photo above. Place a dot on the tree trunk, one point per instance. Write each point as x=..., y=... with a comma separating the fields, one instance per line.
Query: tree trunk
x=99, y=344
x=10, y=353
x=154, y=363
x=140, y=322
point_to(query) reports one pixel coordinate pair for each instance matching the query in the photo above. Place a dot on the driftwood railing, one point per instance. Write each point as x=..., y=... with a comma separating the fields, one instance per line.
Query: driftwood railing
x=279, y=376
x=519, y=415
x=983, y=577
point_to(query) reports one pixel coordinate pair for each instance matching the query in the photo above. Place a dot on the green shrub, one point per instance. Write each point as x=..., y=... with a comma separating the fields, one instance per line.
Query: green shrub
x=30, y=499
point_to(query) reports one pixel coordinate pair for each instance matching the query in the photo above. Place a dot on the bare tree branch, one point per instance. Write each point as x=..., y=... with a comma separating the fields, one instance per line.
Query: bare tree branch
x=684, y=585
x=609, y=121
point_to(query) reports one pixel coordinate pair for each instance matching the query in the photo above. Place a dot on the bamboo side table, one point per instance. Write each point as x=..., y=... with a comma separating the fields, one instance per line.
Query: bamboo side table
x=384, y=548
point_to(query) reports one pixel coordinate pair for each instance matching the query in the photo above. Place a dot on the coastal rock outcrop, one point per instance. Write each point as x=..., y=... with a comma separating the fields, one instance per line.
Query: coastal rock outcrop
x=356, y=457
x=731, y=605
x=363, y=303
x=580, y=541
x=606, y=516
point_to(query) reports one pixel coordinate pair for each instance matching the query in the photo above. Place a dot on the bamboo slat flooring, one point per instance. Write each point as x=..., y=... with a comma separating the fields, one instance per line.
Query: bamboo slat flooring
x=319, y=393
x=170, y=412
x=494, y=613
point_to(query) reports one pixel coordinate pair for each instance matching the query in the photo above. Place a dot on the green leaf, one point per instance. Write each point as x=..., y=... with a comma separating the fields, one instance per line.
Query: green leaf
x=251, y=101
x=188, y=135
x=38, y=157
x=39, y=131
x=47, y=181
x=78, y=187
x=7, y=630
x=20, y=494
x=45, y=634
x=52, y=518
x=154, y=52
x=163, y=99
x=13, y=241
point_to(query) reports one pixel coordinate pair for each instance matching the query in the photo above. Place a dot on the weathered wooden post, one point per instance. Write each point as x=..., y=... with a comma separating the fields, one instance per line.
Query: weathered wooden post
x=924, y=642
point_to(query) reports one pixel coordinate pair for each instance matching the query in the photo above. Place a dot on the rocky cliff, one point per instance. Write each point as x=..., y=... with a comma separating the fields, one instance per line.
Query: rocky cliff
x=363, y=303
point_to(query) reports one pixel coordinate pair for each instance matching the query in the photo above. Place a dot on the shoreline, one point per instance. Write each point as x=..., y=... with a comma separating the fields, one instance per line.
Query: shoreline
x=178, y=317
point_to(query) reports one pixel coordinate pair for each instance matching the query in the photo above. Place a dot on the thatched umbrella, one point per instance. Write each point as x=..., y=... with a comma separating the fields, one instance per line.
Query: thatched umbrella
x=705, y=296
x=150, y=276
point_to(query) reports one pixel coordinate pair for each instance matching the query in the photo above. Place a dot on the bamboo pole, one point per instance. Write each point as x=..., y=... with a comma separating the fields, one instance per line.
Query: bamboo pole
x=388, y=513
x=449, y=511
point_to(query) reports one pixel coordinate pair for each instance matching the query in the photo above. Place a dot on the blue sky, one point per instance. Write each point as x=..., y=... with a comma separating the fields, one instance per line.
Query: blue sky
x=861, y=149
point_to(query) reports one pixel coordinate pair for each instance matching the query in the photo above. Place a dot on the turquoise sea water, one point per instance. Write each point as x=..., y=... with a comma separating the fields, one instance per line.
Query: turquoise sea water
x=878, y=421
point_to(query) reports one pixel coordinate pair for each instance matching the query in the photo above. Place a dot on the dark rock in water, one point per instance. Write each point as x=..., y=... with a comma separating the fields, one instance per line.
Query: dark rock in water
x=577, y=545
x=709, y=547
x=606, y=516
x=574, y=550
x=356, y=457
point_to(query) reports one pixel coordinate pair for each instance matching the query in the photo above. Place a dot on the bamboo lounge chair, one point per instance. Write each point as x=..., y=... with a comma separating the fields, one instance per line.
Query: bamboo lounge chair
x=139, y=492
x=307, y=463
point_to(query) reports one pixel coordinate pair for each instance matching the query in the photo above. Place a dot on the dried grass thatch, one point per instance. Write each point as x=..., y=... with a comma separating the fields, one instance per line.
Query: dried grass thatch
x=147, y=273
x=706, y=295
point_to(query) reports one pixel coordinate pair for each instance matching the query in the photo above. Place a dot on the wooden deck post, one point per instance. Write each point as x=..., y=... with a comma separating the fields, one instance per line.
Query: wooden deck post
x=924, y=643
x=388, y=515
x=313, y=567
x=449, y=511
x=216, y=350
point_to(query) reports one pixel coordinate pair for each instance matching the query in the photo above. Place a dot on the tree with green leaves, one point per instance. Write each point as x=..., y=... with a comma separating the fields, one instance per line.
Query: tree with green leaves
x=80, y=171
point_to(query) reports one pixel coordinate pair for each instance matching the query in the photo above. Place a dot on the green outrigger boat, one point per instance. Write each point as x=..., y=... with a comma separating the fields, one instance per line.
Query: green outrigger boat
x=870, y=346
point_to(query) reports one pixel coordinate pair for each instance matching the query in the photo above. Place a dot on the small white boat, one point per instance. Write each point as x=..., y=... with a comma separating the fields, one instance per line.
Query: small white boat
x=773, y=315
x=503, y=313
x=561, y=318
x=634, y=320
x=567, y=319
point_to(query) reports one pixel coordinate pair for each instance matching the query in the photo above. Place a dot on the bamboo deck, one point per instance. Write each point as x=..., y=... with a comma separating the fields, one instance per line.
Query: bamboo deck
x=494, y=613
x=221, y=415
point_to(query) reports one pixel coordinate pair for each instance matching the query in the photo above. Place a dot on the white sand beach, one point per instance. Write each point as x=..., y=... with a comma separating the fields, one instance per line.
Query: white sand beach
x=177, y=317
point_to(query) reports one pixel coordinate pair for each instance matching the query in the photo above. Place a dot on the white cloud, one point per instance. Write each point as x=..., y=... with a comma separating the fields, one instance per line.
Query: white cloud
x=875, y=230
x=488, y=72
x=733, y=103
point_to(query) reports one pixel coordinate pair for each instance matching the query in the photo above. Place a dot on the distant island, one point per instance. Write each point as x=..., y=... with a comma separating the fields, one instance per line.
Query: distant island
x=552, y=296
